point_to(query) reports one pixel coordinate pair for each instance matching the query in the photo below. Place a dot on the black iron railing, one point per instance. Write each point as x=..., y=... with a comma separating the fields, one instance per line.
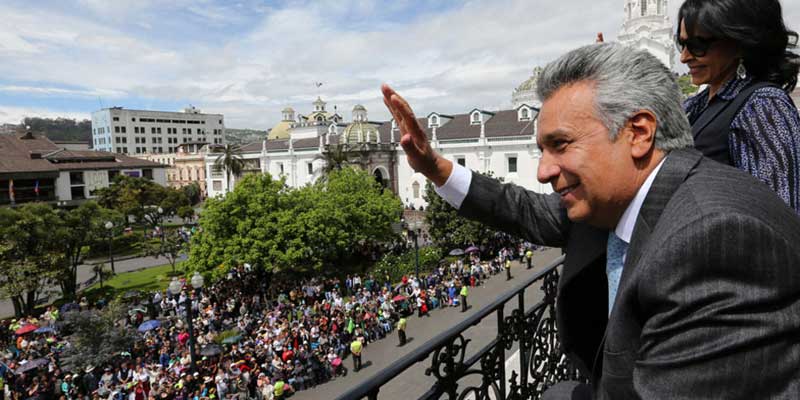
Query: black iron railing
x=532, y=331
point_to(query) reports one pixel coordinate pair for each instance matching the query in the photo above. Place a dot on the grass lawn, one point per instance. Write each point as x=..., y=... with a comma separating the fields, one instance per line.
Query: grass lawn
x=147, y=280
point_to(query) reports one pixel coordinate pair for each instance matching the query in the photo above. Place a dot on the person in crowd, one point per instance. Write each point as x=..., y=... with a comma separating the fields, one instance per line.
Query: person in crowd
x=679, y=270
x=355, y=350
x=401, y=330
x=740, y=49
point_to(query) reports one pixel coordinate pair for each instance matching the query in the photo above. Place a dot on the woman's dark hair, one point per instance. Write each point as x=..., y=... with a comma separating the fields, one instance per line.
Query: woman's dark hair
x=757, y=27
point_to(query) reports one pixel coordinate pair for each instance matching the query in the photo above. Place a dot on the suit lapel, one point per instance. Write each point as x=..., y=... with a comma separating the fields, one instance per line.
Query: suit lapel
x=673, y=173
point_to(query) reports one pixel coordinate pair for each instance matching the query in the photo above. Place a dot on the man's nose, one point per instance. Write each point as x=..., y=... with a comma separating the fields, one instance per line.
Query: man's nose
x=548, y=169
x=685, y=55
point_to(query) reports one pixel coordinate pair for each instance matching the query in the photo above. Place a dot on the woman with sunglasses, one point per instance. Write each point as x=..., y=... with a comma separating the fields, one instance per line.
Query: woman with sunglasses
x=744, y=117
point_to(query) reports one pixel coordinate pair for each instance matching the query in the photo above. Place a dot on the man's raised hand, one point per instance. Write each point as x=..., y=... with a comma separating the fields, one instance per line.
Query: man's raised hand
x=421, y=157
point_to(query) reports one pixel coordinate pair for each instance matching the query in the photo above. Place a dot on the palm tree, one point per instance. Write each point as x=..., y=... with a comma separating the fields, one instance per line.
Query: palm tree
x=231, y=161
x=335, y=157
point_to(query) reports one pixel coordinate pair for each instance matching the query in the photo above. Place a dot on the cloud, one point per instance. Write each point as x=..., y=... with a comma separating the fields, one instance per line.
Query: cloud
x=249, y=60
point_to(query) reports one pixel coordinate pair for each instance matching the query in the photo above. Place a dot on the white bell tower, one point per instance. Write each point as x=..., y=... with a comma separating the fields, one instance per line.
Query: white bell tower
x=648, y=27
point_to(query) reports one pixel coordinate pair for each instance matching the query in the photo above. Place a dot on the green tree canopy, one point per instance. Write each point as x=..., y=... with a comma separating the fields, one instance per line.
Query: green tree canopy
x=447, y=229
x=141, y=199
x=268, y=225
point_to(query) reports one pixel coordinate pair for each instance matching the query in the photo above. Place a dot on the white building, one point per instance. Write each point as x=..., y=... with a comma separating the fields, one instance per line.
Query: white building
x=499, y=142
x=647, y=26
x=125, y=131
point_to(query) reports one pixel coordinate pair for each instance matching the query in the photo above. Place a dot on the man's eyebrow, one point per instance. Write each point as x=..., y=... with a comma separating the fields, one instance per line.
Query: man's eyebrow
x=550, y=136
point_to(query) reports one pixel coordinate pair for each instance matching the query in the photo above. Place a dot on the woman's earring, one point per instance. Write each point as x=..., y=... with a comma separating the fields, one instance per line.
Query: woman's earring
x=741, y=71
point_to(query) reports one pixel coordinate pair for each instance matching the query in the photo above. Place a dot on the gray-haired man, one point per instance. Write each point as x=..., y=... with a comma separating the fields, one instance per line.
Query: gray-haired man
x=681, y=278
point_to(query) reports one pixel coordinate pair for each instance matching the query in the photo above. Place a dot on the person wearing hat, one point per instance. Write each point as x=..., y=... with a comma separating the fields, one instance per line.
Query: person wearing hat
x=90, y=382
x=67, y=386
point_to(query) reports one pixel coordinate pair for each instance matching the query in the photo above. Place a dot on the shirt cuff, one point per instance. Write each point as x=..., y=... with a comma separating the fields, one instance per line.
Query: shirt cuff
x=454, y=191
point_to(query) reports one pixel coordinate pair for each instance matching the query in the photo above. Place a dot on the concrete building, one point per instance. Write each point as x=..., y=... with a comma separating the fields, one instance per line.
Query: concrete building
x=185, y=166
x=126, y=131
x=32, y=168
x=647, y=26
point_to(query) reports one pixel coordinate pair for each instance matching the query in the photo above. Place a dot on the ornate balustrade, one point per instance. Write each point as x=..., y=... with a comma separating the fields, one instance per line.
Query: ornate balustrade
x=532, y=331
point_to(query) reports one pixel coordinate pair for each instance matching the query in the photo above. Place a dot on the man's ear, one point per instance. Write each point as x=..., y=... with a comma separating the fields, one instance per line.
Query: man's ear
x=641, y=131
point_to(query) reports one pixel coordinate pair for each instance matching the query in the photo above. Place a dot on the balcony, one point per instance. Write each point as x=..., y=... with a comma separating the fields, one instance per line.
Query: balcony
x=462, y=370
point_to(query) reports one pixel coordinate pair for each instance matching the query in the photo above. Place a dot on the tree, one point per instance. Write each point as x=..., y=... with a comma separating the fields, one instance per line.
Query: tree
x=686, y=85
x=447, y=229
x=80, y=228
x=334, y=158
x=99, y=336
x=230, y=161
x=193, y=193
x=171, y=246
x=142, y=199
x=30, y=255
x=270, y=226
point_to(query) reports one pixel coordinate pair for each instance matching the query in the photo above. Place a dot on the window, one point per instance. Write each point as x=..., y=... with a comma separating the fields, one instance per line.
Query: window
x=524, y=114
x=415, y=189
x=112, y=174
x=310, y=168
x=434, y=121
x=644, y=7
x=77, y=192
x=461, y=161
x=476, y=118
x=280, y=165
x=116, y=129
x=133, y=119
x=76, y=178
x=512, y=164
x=147, y=174
x=152, y=129
x=116, y=118
x=123, y=130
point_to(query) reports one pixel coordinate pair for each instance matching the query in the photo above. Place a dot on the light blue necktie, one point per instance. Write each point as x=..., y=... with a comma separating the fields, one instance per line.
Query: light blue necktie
x=615, y=255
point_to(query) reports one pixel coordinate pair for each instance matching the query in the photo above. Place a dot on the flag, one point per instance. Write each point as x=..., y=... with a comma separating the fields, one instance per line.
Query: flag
x=11, y=190
x=36, y=188
x=318, y=84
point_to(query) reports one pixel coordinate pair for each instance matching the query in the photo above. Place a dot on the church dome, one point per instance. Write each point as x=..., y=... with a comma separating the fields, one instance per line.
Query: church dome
x=288, y=110
x=530, y=84
x=360, y=132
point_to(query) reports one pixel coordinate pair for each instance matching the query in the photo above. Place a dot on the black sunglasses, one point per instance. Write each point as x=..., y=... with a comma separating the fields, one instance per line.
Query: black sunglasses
x=697, y=46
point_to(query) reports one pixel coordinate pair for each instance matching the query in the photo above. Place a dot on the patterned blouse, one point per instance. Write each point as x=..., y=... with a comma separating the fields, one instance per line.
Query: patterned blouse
x=765, y=136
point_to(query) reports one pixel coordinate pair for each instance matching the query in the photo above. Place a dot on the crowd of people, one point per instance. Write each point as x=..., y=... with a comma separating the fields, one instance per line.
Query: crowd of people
x=282, y=336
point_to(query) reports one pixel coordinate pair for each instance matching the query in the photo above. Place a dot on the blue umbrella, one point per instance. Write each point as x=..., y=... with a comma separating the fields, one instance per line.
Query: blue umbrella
x=149, y=325
x=44, y=329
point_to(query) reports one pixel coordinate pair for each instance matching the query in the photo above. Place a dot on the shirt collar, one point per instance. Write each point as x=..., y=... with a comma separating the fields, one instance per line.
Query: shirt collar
x=624, y=229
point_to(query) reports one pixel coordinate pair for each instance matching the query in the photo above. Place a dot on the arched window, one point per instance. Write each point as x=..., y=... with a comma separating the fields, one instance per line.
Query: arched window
x=415, y=189
x=476, y=118
x=434, y=121
x=524, y=114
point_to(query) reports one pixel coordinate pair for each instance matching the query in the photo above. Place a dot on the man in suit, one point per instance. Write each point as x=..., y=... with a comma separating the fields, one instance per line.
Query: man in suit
x=681, y=275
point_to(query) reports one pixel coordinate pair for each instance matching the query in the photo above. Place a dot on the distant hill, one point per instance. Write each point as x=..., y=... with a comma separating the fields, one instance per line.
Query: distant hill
x=242, y=136
x=59, y=129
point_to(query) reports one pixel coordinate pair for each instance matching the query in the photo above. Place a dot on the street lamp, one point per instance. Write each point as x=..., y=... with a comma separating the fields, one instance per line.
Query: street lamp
x=110, y=228
x=175, y=289
x=413, y=229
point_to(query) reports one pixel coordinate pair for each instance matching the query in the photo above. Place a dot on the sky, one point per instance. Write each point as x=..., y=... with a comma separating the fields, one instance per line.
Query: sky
x=249, y=59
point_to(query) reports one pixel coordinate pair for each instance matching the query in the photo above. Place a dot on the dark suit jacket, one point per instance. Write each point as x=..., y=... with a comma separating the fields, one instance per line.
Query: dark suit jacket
x=709, y=301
